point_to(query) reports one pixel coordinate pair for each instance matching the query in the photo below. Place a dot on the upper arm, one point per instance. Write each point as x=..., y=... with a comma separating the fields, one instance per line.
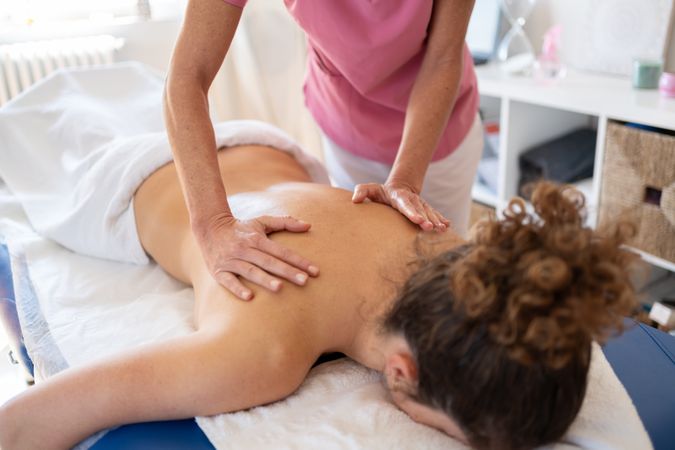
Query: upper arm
x=198, y=374
x=258, y=368
x=212, y=373
x=206, y=34
x=447, y=30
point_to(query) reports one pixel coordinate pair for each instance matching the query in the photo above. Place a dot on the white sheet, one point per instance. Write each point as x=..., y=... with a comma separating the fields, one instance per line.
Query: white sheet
x=77, y=145
x=75, y=308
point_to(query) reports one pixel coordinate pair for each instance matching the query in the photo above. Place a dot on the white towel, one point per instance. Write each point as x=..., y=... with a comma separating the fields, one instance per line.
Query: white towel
x=76, y=146
x=75, y=308
x=343, y=405
x=82, y=308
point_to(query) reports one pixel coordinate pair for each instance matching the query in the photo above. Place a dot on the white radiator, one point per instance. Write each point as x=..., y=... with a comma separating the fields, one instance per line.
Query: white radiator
x=22, y=64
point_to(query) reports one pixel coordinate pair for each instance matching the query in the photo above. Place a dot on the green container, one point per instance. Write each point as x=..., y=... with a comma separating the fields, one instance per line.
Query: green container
x=646, y=73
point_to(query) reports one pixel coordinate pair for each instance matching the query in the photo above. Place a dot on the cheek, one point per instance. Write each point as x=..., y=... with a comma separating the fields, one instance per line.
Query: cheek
x=428, y=416
x=399, y=399
x=412, y=409
x=453, y=430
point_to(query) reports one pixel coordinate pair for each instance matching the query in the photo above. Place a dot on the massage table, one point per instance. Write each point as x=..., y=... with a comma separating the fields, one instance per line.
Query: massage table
x=642, y=357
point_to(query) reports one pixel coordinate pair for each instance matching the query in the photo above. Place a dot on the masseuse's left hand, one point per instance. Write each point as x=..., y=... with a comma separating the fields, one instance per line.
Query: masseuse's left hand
x=405, y=200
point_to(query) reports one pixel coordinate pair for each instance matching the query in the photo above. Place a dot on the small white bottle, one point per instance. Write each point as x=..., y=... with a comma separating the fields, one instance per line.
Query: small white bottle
x=548, y=67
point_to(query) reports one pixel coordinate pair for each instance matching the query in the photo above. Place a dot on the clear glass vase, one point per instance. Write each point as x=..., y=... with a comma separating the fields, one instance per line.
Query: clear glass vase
x=515, y=52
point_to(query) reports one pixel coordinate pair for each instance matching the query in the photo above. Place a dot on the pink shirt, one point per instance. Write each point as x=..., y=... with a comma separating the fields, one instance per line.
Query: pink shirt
x=364, y=58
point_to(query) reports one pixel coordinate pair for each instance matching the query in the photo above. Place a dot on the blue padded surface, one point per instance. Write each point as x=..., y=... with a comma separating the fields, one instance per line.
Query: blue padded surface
x=172, y=435
x=8, y=315
x=644, y=360
x=6, y=287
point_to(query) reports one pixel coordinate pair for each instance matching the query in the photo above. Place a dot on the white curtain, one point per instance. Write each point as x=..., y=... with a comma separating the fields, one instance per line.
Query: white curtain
x=263, y=73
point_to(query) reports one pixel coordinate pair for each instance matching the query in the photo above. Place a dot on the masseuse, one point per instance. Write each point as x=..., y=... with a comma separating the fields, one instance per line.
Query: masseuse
x=392, y=87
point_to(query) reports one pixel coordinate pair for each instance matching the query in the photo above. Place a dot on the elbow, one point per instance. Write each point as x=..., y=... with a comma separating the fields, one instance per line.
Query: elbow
x=168, y=101
x=184, y=80
x=451, y=64
x=178, y=94
x=175, y=86
x=184, y=91
x=447, y=59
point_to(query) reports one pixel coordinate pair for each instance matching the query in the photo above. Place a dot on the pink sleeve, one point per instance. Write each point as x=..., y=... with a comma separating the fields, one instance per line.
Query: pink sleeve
x=238, y=3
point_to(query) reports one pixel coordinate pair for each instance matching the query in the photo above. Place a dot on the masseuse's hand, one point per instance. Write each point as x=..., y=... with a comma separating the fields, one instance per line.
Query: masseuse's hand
x=405, y=200
x=234, y=247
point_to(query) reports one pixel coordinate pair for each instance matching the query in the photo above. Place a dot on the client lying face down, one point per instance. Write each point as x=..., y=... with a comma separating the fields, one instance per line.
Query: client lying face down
x=487, y=340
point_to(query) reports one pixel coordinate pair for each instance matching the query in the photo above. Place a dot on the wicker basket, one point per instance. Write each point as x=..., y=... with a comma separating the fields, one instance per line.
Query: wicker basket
x=638, y=184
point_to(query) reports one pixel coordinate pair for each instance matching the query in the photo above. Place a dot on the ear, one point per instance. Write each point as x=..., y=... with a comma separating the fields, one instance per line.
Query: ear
x=401, y=372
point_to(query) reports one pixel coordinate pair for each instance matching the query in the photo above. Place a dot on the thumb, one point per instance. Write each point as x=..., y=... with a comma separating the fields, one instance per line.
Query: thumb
x=371, y=191
x=360, y=193
x=279, y=223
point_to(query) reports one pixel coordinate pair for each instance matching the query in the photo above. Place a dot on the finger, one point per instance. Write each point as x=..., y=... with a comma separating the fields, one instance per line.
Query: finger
x=288, y=256
x=433, y=217
x=408, y=209
x=256, y=275
x=371, y=191
x=445, y=220
x=279, y=223
x=418, y=205
x=230, y=282
x=427, y=223
x=277, y=267
x=441, y=218
x=432, y=214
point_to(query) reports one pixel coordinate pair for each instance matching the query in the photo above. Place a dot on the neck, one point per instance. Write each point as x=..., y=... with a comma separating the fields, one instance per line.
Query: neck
x=371, y=345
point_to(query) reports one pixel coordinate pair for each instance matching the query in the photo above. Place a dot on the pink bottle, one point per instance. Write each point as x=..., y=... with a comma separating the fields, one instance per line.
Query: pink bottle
x=667, y=84
x=548, y=67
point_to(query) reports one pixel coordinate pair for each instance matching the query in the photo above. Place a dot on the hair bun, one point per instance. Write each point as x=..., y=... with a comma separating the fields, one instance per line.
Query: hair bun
x=544, y=284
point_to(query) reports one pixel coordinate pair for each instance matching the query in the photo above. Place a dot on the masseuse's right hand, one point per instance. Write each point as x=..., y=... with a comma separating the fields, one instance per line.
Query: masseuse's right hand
x=231, y=248
x=234, y=247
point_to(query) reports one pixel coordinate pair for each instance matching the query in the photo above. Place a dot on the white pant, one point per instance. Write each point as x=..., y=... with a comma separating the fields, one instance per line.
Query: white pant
x=447, y=184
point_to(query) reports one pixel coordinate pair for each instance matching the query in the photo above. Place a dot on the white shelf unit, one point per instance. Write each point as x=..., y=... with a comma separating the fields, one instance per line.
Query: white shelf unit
x=531, y=113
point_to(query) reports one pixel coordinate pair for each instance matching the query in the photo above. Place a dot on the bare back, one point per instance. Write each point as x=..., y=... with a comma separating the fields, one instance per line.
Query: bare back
x=364, y=250
x=242, y=354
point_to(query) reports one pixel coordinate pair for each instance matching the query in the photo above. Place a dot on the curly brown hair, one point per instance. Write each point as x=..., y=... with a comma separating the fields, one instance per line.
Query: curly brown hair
x=502, y=326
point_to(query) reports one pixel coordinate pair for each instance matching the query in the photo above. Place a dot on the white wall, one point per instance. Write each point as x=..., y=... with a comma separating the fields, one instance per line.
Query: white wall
x=569, y=14
x=669, y=56
x=149, y=42
x=547, y=13
x=261, y=78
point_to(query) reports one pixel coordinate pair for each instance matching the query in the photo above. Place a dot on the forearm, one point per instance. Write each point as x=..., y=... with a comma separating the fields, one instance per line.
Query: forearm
x=434, y=93
x=202, y=44
x=67, y=408
x=192, y=139
x=431, y=102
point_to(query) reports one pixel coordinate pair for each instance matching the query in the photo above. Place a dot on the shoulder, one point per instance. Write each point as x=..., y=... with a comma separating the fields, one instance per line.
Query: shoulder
x=268, y=367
